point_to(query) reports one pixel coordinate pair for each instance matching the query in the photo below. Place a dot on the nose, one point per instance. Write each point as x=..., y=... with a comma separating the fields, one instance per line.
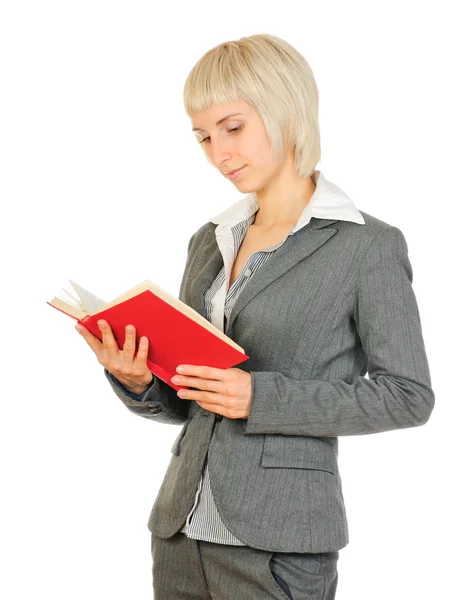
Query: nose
x=218, y=154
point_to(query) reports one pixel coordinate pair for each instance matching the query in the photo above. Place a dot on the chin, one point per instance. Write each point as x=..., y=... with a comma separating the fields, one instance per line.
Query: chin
x=245, y=188
x=245, y=185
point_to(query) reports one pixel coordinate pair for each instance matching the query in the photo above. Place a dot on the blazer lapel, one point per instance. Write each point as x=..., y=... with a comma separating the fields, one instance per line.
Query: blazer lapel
x=210, y=261
x=296, y=248
x=202, y=272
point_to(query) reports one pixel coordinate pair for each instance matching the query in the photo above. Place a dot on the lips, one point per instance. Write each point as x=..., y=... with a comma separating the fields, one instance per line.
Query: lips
x=232, y=172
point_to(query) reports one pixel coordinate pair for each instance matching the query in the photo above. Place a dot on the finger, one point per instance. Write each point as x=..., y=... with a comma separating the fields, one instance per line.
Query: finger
x=142, y=353
x=204, y=371
x=206, y=385
x=129, y=345
x=215, y=408
x=109, y=343
x=93, y=341
x=210, y=398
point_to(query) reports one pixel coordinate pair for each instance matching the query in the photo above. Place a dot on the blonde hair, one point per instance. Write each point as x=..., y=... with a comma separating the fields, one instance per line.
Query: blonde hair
x=273, y=78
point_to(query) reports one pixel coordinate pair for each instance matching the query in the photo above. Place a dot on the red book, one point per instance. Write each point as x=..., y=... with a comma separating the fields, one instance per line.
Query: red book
x=177, y=333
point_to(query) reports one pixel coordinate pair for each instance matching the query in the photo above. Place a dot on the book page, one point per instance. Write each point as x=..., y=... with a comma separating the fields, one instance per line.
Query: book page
x=91, y=302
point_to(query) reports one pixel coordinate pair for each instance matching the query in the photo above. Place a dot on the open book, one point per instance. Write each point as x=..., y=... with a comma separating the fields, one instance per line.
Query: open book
x=177, y=333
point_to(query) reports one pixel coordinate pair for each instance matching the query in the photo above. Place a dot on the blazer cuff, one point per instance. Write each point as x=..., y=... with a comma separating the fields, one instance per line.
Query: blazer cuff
x=159, y=401
x=138, y=397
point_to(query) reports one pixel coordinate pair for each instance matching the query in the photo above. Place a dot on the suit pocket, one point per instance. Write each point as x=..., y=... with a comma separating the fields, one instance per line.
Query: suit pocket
x=298, y=452
x=176, y=444
x=282, y=583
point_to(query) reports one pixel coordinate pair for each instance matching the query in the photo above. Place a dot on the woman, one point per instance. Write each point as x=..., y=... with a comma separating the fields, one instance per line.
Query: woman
x=318, y=294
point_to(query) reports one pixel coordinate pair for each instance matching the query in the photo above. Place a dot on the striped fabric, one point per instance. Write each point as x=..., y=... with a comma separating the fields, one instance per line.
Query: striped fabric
x=327, y=202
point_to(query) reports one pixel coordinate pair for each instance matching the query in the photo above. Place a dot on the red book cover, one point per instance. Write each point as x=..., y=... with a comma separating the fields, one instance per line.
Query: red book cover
x=174, y=338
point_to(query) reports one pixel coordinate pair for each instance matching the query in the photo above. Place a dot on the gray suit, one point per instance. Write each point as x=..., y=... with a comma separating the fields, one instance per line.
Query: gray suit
x=335, y=302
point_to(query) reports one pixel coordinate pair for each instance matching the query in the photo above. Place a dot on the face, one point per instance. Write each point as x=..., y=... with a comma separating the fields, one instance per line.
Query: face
x=239, y=141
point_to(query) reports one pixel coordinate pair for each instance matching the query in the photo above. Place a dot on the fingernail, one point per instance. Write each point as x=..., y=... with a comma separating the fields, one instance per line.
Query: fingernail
x=101, y=324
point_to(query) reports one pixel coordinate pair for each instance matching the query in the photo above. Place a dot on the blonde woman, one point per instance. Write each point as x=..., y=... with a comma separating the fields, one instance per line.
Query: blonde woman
x=318, y=293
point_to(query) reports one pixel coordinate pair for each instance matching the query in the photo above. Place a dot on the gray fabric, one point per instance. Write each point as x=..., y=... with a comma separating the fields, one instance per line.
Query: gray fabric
x=188, y=569
x=204, y=522
x=335, y=302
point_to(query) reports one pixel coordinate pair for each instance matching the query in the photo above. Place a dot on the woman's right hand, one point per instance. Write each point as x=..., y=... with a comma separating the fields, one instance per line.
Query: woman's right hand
x=131, y=371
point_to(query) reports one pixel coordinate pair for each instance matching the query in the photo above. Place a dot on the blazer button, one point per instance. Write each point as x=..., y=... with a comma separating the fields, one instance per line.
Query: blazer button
x=155, y=408
x=219, y=417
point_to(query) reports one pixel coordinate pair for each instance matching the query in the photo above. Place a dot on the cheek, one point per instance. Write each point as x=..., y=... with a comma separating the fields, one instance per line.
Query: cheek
x=256, y=154
x=262, y=160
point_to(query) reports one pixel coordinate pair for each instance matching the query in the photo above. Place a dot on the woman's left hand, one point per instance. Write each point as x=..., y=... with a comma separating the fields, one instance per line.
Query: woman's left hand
x=223, y=391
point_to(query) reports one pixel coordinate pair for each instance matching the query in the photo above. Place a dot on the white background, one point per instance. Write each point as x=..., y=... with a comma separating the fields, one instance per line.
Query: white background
x=103, y=182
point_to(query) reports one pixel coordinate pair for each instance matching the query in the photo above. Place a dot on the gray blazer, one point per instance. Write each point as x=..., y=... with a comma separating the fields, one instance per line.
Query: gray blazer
x=334, y=302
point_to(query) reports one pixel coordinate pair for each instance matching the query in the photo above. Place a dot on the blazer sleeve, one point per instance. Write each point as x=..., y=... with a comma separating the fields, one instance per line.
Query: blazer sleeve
x=398, y=393
x=159, y=402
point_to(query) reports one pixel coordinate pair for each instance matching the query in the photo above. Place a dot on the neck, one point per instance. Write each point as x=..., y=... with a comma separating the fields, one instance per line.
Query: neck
x=282, y=201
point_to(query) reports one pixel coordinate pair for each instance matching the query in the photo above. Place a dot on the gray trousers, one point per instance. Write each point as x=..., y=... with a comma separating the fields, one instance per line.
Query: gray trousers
x=188, y=569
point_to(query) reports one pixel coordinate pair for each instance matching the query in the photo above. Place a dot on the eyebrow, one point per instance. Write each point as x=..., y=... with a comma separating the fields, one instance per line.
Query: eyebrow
x=220, y=121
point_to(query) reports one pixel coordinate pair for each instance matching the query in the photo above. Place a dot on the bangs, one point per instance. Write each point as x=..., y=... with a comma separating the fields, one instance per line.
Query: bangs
x=214, y=81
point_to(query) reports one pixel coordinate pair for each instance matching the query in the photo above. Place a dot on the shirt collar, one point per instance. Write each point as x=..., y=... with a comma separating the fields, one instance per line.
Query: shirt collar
x=328, y=201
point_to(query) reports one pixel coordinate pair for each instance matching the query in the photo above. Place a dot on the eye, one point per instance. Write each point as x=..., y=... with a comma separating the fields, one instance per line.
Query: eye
x=232, y=131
